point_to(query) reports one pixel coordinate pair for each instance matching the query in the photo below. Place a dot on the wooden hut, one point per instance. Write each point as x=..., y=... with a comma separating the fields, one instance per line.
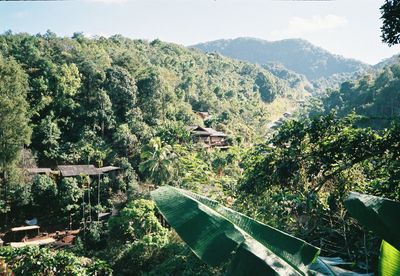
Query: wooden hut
x=210, y=137
x=76, y=170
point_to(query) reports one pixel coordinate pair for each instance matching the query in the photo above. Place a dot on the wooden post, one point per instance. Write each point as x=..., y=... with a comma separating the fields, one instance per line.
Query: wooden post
x=90, y=205
x=5, y=195
x=98, y=190
x=70, y=221
x=84, y=219
x=98, y=196
x=84, y=225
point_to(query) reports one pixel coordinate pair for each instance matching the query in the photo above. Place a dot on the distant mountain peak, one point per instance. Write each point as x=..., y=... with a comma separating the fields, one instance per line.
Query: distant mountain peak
x=295, y=54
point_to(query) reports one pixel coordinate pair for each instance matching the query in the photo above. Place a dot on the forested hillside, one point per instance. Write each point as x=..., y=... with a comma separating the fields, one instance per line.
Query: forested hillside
x=374, y=96
x=125, y=106
x=297, y=55
x=294, y=79
x=126, y=103
x=389, y=61
x=85, y=92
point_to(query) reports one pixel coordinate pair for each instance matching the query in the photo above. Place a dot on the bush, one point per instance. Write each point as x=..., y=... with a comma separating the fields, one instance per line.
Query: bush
x=44, y=191
x=140, y=235
x=32, y=260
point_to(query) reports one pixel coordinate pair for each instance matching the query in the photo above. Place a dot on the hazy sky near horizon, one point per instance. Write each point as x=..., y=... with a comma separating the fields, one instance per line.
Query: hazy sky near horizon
x=347, y=27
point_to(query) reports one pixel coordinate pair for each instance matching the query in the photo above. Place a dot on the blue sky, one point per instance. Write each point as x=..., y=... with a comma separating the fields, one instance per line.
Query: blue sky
x=347, y=27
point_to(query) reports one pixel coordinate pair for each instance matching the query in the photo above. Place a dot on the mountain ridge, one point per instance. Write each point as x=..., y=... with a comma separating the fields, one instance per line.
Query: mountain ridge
x=295, y=54
x=387, y=61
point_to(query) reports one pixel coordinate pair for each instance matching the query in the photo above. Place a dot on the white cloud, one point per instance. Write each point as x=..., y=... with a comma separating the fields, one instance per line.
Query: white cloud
x=299, y=26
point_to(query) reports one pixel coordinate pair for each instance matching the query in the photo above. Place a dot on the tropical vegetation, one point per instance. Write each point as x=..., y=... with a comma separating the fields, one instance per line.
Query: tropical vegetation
x=305, y=182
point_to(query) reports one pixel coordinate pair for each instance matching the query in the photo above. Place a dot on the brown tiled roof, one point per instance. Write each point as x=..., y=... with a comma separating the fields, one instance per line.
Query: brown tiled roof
x=75, y=170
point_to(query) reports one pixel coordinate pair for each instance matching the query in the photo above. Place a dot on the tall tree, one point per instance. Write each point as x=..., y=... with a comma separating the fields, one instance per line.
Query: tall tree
x=121, y=88
x=151, y=98
x=263, y=84
x=44, y=192
x=14, y=129
x=391, y=22
x=158, y=162
x=46, y=136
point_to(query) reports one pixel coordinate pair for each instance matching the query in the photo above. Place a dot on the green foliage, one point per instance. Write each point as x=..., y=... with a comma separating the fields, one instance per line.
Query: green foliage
x=390, y=26
x=125, y=142
x=81, y=85
x=381, y=216
x=14, y=129
x=213, y=232
x=319, y=150
x=105, y=101
x=389, y=260
x=174, y=133
x=122, y=89
x=101, y=101
x=70, y=195
x=157, y=161
x=377, y=214
x=127, y=103
x=33, y=260
x=375, y=97
x=193, y=171
x=97, y=234
x=90, y=149
x=137, y=221
x=44, y=192
x=126, y=181
x=296, y=81
x=183, y=262
x=138, y=227
x=263, y=84
x=47, y=135
x=15, y=193
x=298, y=179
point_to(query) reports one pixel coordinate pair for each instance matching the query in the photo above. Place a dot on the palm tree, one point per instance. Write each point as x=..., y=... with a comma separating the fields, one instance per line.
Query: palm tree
x=158, y=162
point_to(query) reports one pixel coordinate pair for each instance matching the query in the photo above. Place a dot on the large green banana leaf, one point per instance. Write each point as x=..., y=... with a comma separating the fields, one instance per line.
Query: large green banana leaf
x=389, y=260
x=382, y=216
x=331, y=267
x=379, y=215
x=217, y=235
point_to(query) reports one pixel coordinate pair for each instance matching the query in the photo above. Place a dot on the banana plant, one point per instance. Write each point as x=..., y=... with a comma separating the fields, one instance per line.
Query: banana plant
x=381, y=216
x=219, y=235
